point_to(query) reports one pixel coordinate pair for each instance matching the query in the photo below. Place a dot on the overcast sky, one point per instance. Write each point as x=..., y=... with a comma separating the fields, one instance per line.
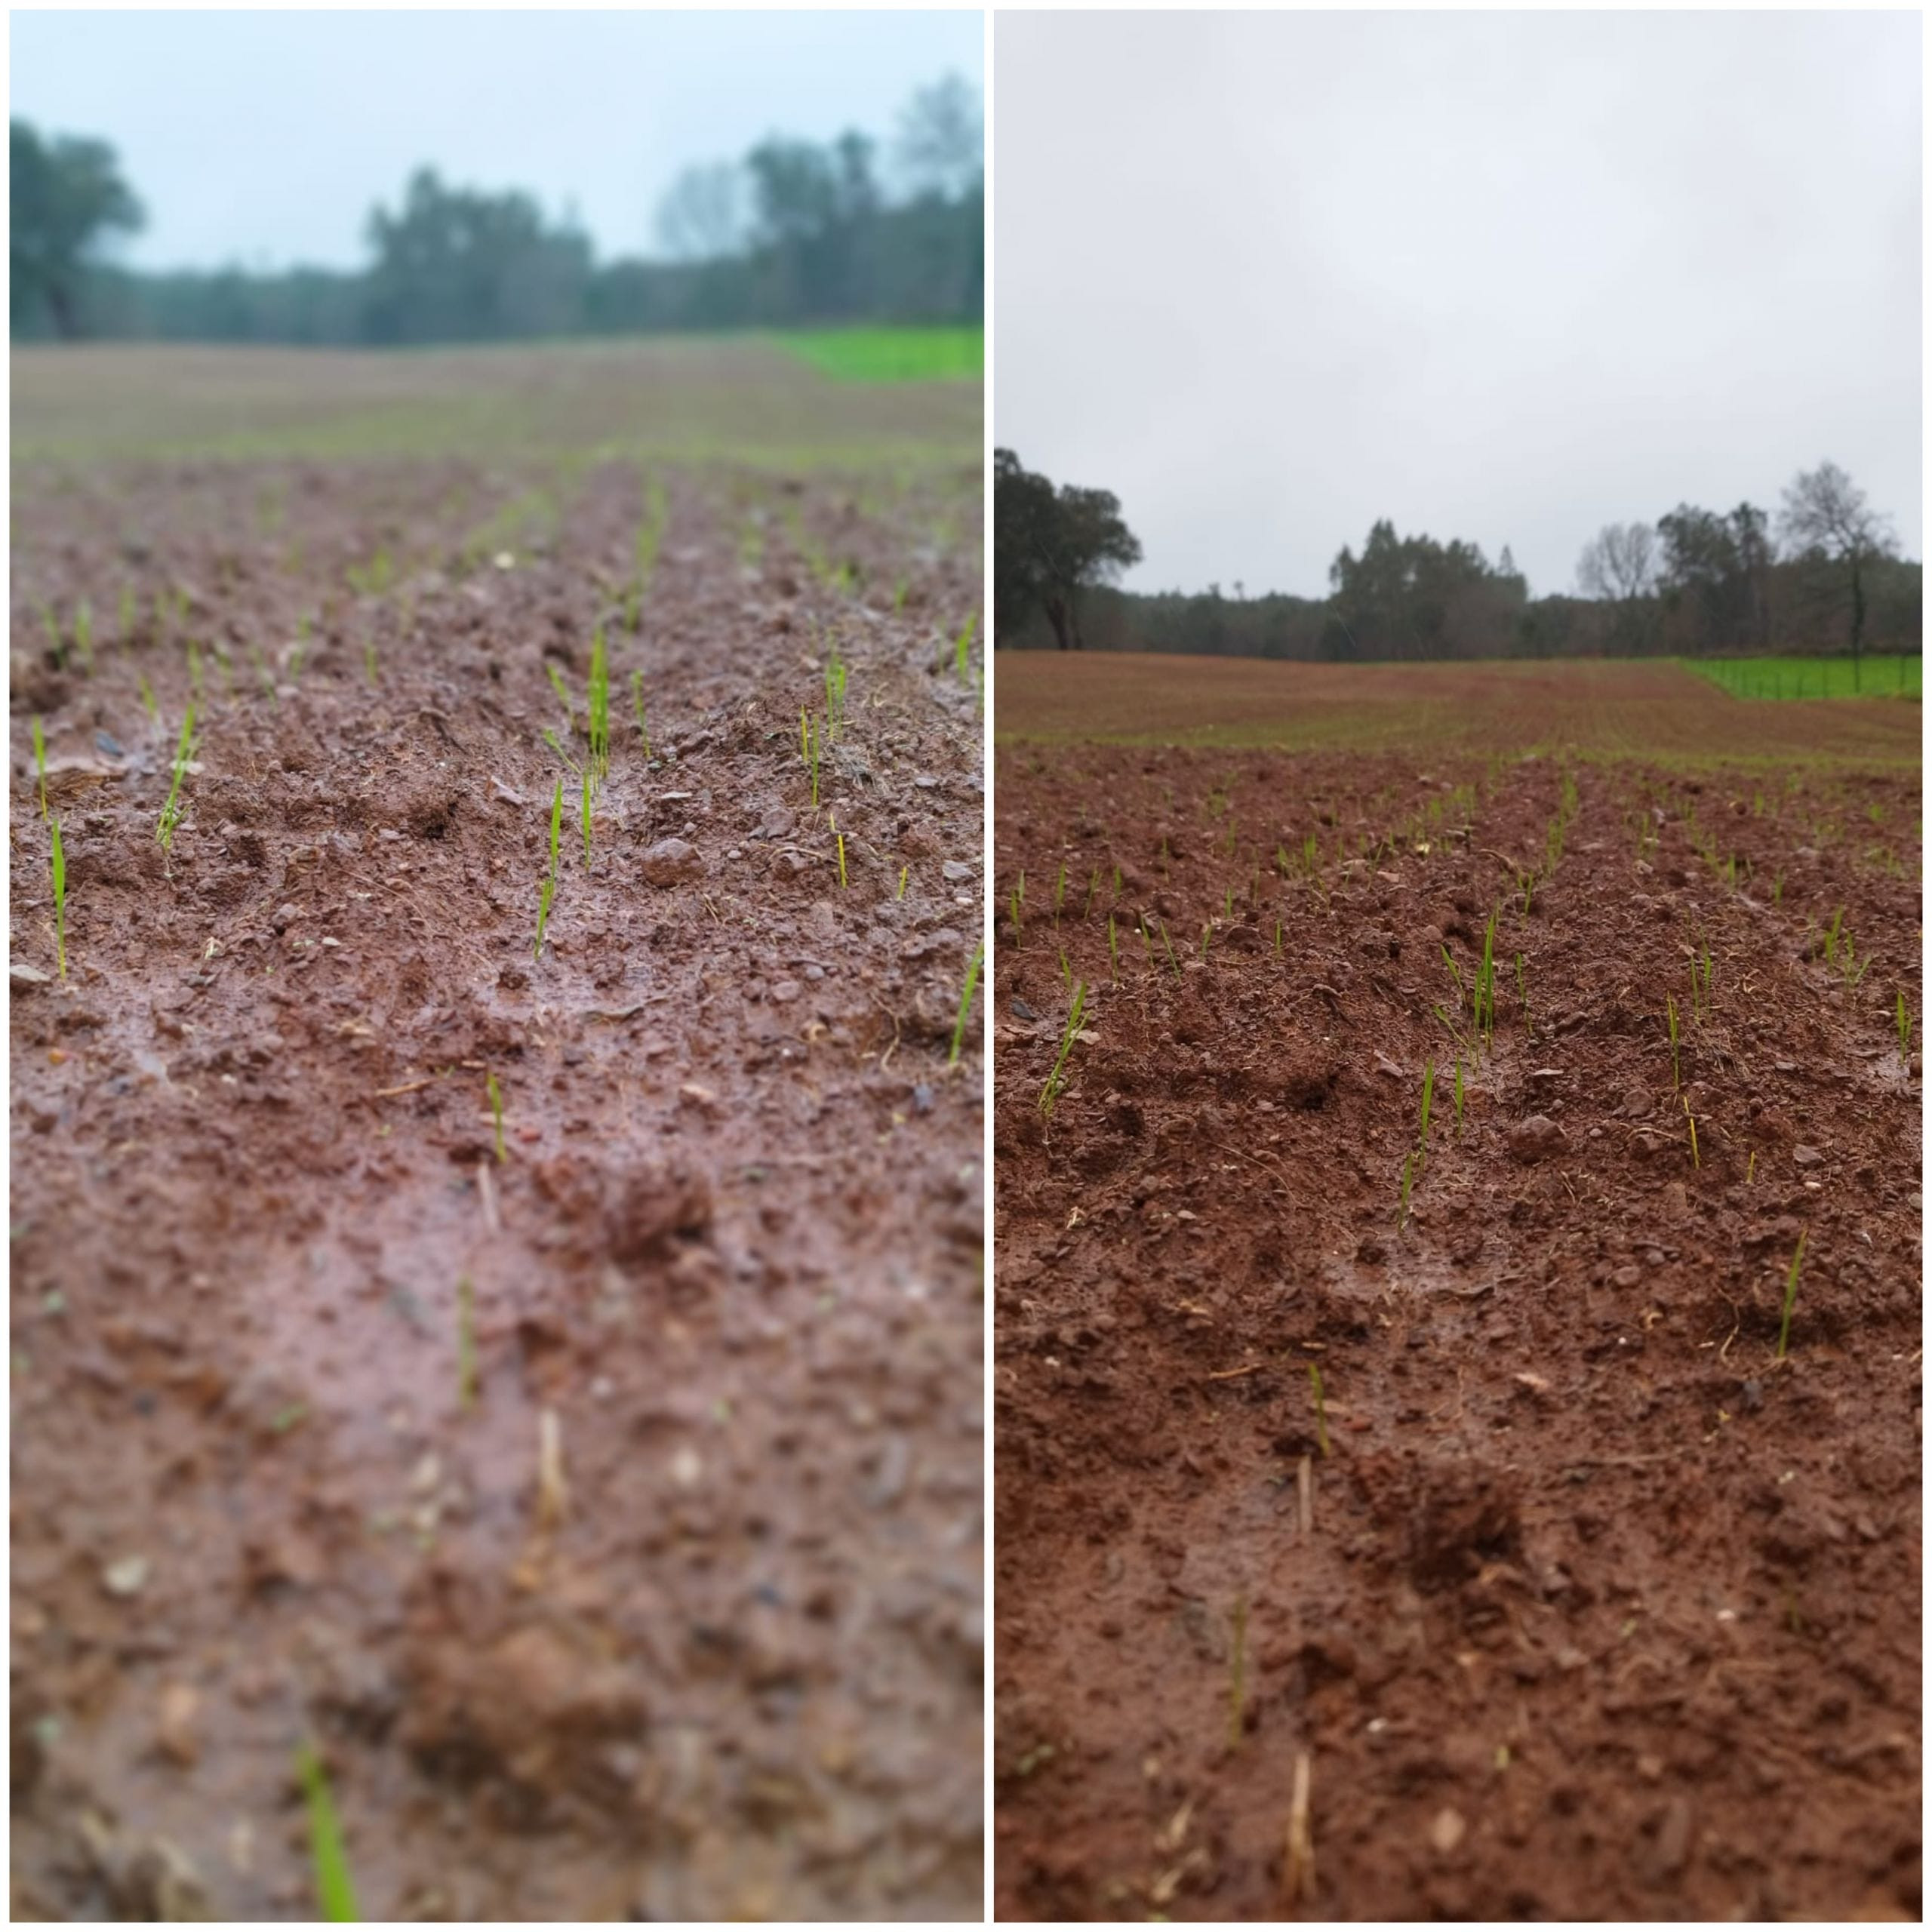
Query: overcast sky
x=264, y=137
x=1506, y=278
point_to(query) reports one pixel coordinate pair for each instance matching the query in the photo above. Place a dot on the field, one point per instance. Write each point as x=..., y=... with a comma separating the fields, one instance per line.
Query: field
x=1458, y=1392
x=503, y=1308
x=1780, y=678
x=893, y=355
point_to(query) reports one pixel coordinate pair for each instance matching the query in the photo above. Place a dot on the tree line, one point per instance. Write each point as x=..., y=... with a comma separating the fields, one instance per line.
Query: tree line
x=796, y=233
x=1825, y=575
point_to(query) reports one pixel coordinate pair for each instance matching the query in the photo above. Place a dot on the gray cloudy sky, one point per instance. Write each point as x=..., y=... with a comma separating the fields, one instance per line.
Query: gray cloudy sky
x=1502, y=277
x=264, y=137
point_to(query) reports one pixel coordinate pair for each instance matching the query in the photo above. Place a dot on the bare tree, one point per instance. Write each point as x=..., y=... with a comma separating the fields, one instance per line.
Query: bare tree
x=702, y=217
x=1826, y=522
x=1619, y=563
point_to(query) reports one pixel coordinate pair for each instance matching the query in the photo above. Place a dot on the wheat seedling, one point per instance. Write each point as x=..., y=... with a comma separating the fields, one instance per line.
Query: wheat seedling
x=40, y=762
x=547, y=888
x=497, y=1112
x=966, y=1002
x=600, y=706
x=59, y=858
x=1050, y=1092
x=1904, y=1021
x=1059, y=895
x=172, y=810
x=1791, y=1294
x=334, y=1889
x=1321, y=1408
x=834, y=693
x=840, y=837
x=1113, y=952
x=1695, y=1162
x=1428, y=1092
x=148, y=705
x=962, y=646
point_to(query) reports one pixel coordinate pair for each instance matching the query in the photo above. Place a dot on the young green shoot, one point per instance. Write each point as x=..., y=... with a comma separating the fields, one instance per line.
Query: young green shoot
x=546, y=889
x=1065, y=969
x=496, y=1113
x=1056, y=1080
x=637, y=705
x=840, y=837
x=550, y=738
x=1321, y=1408
x=1695, y=1162
x=335, y=1891
x=1092, y=892
x=465, y=1343
x=973, y=966
x=1113, y=952
x=1012, y=912
x=1427, y=1094
x=1904, y=1022
x=904, y=870
x=59, y=899
x=1059, y=895
x=600, y=706
x=40, y=762
x=1168, y=942
x=835, y=675
x=172, y=810
x=1278, y=938
x=962, y=646
x=148, y=705
x=1791, y=1294
x=562, y=690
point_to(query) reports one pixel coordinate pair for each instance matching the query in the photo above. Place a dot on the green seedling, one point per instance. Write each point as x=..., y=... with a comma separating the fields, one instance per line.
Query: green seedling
x=496, y=1113
x=600, y=706
x=466, y=1343
x=1228, y=904
x=1168, y=942
x=966, y=1002
x=172, y=810
x=1093, y=893
x=1238, y=1674
x=1116, y=882
x=56, y=645
x=1832, y=938
x=637, y=705
x=1013, y=913
x=550, y=738
x=962, y=646
x=148, y=705
x=810, y=741
x=334, y=1890
x=1670, y=1023
x=1059, y=894
x=1321, y=1408
x=1147, y=940
x=836, y=673
x=562, y=690
x=586, y=820
x=40, y=762
x=1278, y=938
x=1791, y=1295
x=1695, y=1162
x=1113, y=952
x=904, y=870
x=1207, y=932
x=1050, y=1092
x=1904, y=1021
x=59, y=857
x=1066, y=971
x=840, y=837
x=1428, y=1092
x=547, y=888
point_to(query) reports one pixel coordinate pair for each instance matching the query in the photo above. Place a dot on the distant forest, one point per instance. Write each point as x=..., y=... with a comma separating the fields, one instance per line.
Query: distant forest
x=1827, y=576
x=795, y=233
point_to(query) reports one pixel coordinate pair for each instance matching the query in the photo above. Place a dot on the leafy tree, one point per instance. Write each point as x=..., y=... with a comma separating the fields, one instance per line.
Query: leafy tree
x=1410, y=597
x=1716, y=569
x=1050, y=544
x=1828, y=524
x=67, y=199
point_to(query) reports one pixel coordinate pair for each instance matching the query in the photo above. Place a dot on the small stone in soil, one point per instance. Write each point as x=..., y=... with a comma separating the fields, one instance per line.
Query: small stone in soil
x=1807, y=1157
x=672, y=862
x=127, y=1576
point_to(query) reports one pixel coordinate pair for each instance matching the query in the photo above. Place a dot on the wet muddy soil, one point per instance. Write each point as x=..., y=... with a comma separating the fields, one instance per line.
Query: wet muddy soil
x=599, y=1487
x=1561, y=1595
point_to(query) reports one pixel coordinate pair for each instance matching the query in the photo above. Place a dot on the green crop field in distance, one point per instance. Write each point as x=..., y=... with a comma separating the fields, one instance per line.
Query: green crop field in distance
x=892, y=355
x=1810, y=677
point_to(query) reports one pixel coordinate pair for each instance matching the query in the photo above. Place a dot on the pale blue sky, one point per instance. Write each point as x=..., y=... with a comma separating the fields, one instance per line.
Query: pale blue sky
x=264, y=137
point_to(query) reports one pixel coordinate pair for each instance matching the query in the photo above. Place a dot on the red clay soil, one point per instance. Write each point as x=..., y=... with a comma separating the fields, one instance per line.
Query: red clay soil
x=677, y=1612
x=1601, y=1610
